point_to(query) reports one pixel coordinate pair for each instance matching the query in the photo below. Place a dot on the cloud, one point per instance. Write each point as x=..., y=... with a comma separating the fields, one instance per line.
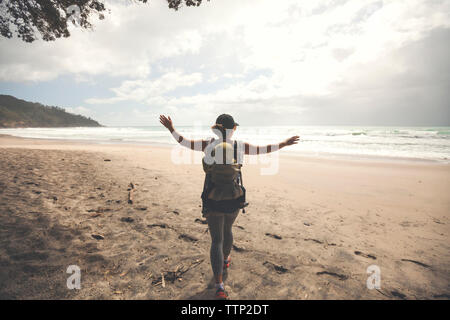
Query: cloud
x=149, y=90
x=258, y=58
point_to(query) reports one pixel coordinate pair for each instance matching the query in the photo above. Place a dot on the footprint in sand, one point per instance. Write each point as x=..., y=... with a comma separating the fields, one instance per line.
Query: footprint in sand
x=200, y=221
x=333, y=274
x=331, y=244
x=187, y=237
x=397, y=294
x=238, y=248
x=278, y=268
x=442, y=296
x=275, y=236
x=159, y=225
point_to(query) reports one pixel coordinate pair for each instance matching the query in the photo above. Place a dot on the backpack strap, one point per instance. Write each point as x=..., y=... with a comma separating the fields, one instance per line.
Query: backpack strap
x=235, y=151
x=237, y=161
x=240, y=171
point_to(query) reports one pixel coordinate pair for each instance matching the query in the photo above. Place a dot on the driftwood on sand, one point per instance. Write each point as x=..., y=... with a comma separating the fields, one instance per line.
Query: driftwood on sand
x=130, y=193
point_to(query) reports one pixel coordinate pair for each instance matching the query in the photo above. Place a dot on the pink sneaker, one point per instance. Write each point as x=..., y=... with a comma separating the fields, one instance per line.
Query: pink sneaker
x=227, y=263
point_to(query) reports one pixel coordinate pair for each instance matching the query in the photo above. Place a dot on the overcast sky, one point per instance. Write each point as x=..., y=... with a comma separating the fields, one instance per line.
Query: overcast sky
x=341, y=62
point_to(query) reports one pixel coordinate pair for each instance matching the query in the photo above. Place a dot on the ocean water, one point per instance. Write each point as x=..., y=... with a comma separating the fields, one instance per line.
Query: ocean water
x=422, y=143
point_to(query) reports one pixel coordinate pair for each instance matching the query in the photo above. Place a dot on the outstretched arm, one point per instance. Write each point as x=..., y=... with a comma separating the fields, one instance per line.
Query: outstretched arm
x=254, y=150
x=197, y=145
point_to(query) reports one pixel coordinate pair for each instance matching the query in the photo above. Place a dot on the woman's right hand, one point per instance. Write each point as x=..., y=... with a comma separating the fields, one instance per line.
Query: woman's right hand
x=166, y=122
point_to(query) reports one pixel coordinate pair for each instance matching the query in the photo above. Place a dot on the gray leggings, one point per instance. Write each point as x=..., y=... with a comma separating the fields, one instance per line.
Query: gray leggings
x=220, y=225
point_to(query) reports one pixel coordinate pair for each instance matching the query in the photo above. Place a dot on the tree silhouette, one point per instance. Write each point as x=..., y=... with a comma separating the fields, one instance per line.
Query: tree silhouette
x=50, y=18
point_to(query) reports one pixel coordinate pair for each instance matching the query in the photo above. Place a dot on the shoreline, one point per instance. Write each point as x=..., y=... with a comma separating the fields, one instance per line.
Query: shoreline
x=288, y=154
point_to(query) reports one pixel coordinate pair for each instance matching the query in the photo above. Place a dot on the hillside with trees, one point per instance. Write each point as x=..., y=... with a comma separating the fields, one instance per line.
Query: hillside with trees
x=16, y=113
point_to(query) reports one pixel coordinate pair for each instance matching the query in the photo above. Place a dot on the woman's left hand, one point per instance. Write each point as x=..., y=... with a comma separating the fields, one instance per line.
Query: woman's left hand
x=291, y=141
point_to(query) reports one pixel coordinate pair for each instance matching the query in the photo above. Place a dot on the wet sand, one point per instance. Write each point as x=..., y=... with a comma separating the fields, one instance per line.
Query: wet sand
x=310, y=232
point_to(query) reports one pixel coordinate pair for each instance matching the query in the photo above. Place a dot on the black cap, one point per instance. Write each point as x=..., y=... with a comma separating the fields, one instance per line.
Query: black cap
x=226, y=121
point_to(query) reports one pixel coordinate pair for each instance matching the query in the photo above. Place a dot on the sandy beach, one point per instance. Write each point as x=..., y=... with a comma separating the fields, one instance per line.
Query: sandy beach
x=310, y=232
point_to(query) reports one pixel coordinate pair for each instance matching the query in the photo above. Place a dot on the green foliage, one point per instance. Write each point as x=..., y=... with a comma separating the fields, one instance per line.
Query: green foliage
x=50, y=18
x=16, y=113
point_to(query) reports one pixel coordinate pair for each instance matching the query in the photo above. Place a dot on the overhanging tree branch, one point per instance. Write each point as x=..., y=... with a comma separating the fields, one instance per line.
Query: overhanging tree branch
x=27, y=19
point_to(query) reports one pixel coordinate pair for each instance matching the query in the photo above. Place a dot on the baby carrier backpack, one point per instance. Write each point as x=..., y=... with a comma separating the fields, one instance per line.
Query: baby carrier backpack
x=223, y=190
